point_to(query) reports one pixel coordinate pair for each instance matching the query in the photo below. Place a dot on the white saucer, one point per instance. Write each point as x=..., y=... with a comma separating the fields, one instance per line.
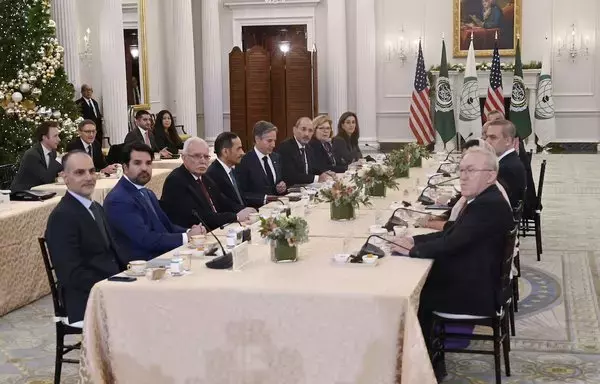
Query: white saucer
x=129, y=272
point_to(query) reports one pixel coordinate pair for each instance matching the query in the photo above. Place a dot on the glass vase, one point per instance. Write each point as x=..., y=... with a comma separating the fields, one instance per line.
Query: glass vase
x=282, y=252
x=342, y=212
x=377, y=190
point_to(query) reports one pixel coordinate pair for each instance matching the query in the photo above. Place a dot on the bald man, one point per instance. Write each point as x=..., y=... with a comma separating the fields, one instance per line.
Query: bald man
x=297, y=158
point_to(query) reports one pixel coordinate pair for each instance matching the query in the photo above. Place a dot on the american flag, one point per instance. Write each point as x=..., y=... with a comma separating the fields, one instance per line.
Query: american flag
x=495, y=97
x=419, y=120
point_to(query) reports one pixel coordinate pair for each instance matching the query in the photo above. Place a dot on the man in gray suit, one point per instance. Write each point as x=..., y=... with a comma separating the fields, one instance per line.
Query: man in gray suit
x=142, y=133
x=39, y=165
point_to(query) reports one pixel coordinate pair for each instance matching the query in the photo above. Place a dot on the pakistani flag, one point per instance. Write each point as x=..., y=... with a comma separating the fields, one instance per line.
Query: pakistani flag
x=469, y=123
x=444, y=109
x=545, y=125
x=519, y=110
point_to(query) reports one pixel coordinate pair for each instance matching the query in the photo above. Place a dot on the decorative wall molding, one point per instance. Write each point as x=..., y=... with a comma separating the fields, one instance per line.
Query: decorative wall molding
x=236, y=4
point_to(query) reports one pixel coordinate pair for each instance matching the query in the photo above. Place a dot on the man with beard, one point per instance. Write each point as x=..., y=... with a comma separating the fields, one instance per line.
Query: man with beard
x=141, y=228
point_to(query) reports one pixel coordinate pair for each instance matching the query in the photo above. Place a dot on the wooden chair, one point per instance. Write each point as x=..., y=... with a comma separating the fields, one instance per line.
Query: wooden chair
x=7, y=174
x=60, y=316
x=498, y=321
x=532, y=226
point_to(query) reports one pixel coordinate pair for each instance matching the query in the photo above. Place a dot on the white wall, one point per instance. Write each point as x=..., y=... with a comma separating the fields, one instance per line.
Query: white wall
x=576, y=85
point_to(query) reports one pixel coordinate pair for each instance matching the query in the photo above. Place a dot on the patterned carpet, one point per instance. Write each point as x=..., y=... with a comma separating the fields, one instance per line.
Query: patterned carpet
x=558, y=332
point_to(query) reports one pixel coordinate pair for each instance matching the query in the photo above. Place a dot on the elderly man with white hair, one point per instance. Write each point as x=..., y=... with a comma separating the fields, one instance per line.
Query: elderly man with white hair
x=189, y=195
x=468, y=253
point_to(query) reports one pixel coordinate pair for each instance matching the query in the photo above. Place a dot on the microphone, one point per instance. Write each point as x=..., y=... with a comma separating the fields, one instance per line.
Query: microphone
x=426, y=200
x=368, y=248
x=221, y=262
x=288, y=210
x=395, y=221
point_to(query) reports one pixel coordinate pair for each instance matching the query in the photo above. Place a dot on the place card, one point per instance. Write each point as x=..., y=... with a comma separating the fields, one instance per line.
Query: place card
x=240, y=256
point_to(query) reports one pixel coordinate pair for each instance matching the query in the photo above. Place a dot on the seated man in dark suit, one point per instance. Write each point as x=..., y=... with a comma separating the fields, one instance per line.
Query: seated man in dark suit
x=141, y=228
x=39, y=165
x=468, y=254
x=190, y=197
x=297, y=158
x=81, y=246
x=228, y=148
x=143, y=134
x=87, y=142
x=259, y=174
x=500, y=134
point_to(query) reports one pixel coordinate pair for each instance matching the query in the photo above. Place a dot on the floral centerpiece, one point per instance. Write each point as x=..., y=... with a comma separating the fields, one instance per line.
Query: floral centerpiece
x=285, y=234
x=399, y=161
x=375, y=179
x=344, y=198
x=416, y=154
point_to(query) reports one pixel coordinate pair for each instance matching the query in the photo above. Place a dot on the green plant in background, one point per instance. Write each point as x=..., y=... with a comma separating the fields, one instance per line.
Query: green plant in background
x=398, y=160
x=33, y=84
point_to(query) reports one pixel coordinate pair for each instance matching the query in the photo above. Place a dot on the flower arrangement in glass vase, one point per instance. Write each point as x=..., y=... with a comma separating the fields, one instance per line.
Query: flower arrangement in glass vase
x=417, y=153
x=375, y=179
x=399, y=161
x=285, y=234
x=344, y=198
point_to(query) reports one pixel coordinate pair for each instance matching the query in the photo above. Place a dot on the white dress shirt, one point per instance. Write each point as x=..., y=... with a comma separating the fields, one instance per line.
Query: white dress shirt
x=46, y=155
x=91, y=104
x=86, y=148
x=302, y=146
x=262, y=164
x=87, y=203
x=508, y=152
x=139, y=188
x=144, y=133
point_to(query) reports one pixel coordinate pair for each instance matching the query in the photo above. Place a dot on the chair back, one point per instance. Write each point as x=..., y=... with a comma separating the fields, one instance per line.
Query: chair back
x=541, y=184
x=7, y=174
x=59, y=308
x=115, y=154
x=530, y=155
x=505, y=290
x=518, y=211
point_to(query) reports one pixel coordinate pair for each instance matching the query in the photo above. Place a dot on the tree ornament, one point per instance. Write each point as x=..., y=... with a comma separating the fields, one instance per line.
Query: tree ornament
x=17, y=97
x=52, y=23
x=56, y=114
x=32, y=79
x=36, y=92
x=10, y=111
x=25, y=87
x=11, y=84
x=1, y=96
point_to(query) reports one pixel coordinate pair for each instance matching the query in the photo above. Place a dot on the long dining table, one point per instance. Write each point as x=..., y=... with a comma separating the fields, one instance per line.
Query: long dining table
x=313, y=321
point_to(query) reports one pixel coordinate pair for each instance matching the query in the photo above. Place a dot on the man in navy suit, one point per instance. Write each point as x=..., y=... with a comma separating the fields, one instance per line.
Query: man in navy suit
x=259, y=174
x=87, y=142
x=141, y=228
x=82, y=249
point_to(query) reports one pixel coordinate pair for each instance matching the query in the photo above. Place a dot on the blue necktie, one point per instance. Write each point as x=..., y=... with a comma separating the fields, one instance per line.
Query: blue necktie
x=146, y=194
x=235, y=187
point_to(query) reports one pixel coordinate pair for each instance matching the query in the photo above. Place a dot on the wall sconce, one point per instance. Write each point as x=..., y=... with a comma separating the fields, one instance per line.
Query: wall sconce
x=86, y=53
x=399, y=48
x=134, y=50
x=569, y=46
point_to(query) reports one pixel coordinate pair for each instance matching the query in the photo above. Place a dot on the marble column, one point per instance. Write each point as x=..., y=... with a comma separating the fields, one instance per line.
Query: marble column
x=337, y=59
x=64, y=13
x=114, y=85
x=212, y=77
x=184, y=66
x=366, y=74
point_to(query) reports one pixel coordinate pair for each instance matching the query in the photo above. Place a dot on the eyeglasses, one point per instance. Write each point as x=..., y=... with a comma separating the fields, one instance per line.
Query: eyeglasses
x=470, y=171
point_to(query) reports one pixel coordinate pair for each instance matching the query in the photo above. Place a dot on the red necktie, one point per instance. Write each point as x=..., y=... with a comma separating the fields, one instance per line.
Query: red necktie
x=146, y=138
x=206, y=194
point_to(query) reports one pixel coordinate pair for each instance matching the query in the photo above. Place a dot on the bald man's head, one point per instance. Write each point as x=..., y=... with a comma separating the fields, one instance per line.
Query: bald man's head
x=303, y=130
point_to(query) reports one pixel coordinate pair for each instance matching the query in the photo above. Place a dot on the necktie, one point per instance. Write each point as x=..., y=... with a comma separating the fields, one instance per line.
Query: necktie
x=206, y=194
x=146, y=138
x=329, y=150
x=89, y=149
x=268, y=171
x=96, y=210
x=146, y=194
x=235, y=187
x=51, y=156
x=91, y=104
x=303, y=155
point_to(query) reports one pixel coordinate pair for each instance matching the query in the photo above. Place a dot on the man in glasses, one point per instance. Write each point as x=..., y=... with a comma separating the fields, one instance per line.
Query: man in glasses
x=468, y=253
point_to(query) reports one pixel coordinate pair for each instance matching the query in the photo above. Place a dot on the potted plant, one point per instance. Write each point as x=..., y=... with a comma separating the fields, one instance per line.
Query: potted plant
x=398, y=160
x=375, y=179
x=416, y=154
x=344, y=198
x=285, y=234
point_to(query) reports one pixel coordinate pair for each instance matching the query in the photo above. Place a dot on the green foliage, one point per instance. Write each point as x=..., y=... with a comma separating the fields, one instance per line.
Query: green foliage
x=341, y=193
x=292, y=229
x=398, y=160
x=368, y=177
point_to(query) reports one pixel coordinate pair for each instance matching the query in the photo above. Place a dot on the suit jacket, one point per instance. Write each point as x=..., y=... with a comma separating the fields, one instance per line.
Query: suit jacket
x=512, y=176
x=97, y=155
x=136, y=136
x=468, y=256
x=217, y=174
x=79, y=253
x=139, y=233
x=252, y=179
x=345, y=153
x=164, y=141
x=88, y=113
x=182, y=197
x=292, y=163
x=33, y=170
x=322, y=160
x=530, y=203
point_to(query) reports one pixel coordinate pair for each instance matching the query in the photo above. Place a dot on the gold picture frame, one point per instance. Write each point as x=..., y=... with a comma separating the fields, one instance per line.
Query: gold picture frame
x=500, y=16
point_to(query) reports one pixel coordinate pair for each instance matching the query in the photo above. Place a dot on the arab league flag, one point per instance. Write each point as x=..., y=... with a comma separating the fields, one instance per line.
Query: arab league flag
x=545, y=124
x=519, y=110
x=444, y=108
x=469, y=123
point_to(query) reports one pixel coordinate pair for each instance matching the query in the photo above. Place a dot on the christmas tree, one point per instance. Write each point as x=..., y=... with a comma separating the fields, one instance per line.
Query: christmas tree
x=33, y=84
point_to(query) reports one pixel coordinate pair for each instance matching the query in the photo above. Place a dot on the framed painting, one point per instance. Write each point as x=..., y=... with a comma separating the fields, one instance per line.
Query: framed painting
x=483, y=19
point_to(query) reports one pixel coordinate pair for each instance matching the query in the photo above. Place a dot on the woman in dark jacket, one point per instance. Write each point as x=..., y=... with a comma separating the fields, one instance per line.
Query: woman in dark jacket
x=165, y=133
x=345, y=144
x=322, y=148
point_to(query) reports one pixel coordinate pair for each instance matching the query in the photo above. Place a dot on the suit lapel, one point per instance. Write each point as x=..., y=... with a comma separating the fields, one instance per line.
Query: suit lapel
x=259, y=164
x=196, y=194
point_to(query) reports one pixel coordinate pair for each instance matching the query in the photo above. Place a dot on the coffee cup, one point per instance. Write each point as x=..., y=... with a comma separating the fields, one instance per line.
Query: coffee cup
x=198, y=241
x=137, y=266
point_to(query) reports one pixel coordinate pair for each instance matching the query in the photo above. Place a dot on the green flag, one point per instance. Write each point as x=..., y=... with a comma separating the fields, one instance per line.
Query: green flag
x=519, y=110
x=444, y=108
